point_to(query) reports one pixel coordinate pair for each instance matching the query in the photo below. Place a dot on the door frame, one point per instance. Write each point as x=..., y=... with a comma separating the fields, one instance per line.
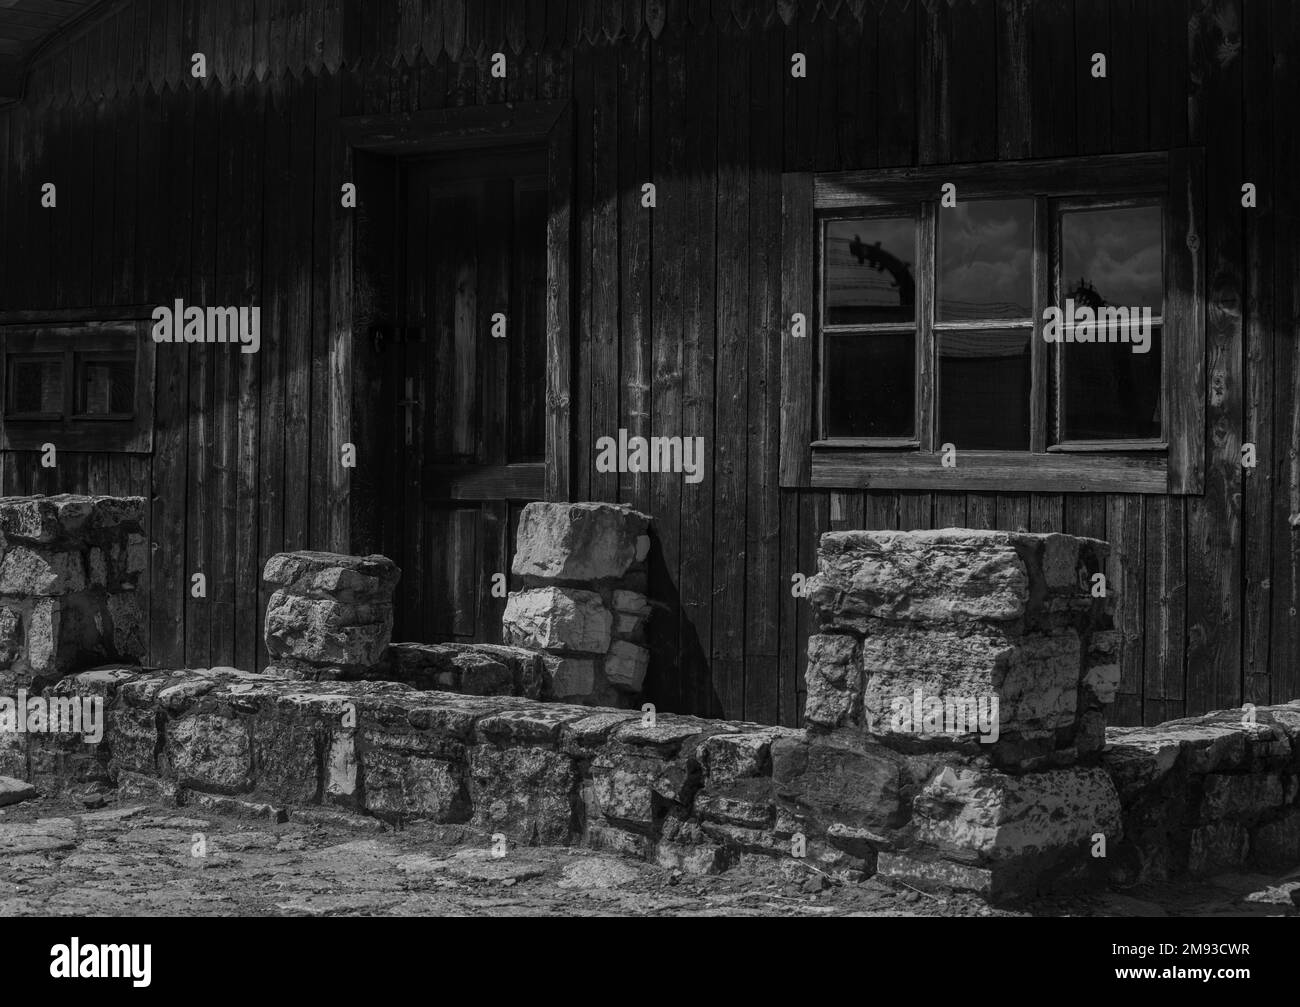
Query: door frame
x=457, y=130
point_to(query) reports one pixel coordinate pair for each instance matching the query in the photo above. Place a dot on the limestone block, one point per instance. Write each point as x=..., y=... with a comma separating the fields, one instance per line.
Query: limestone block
x=1035, y=680
x=976, y=815
x=210, y=751
x=333, y=575
x=834, y=680
x=626, y=665
x=398, y=785
x=527, y=793
x=569, y=679
x=578, y=541
x=29, y=572
x=324, y=631
x=1244, y=798
x=946, y=576
x=555, y=618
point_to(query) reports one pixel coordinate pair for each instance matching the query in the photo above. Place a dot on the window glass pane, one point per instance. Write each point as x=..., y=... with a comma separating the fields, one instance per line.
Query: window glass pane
x=1109, y=391
x=35, y=385
x=869, y=271
x=870, y=385
x=105, y=386
x=985, y=249
x=1112, y=257
x=984, y=389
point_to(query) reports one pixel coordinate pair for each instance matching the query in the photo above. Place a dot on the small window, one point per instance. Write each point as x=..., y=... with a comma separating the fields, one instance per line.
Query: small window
x=84, y=386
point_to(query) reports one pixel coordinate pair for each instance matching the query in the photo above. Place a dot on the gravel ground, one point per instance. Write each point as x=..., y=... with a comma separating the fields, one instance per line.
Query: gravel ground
x=59, y=858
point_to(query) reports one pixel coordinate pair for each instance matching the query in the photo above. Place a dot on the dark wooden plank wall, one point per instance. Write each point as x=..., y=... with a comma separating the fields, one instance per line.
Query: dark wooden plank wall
x=226, y=188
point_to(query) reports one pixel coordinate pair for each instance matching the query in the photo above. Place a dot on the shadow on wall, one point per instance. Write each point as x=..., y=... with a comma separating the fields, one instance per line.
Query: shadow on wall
x=679, y=678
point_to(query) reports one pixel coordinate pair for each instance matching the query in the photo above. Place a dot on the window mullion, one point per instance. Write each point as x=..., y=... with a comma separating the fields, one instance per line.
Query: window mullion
x=1039, y=352
x=926, y=393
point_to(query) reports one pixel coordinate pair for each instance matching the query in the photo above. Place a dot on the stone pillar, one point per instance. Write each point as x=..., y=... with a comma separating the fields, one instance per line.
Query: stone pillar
x=70, y=570
x=983, y=660
x=331, y=615
x=582, y=599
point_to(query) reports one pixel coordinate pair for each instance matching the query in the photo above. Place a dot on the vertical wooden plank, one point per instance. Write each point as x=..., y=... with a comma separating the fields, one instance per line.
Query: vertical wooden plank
x=248, y=568
x=584, y=437
x=1214, y=520
x=297, y=414
x=711, y=580
x=1126, y=568
x=1128, y=71
x=559, y=236
x=973, y=82
x=950, y=510
x=1015, y=95
x=494, y=283
x=1054, y=78
x=981, y=510
x=915, y=511
x=1164, y=618
x=1284, y=655
x=1258, y=486
x=221, y=506
x=325, y=454
x=634, y=254
x=204, y=507
x=271, y=358
x=601, y=347
x=165, y=136
x=814, y=521
x=342, y=363
x=103, y=202
x=1092, y=94
x=764, y=585
x=1013, y=512
x=790, y=606
x=669, y=235
x=796, y=353
x=933, y=83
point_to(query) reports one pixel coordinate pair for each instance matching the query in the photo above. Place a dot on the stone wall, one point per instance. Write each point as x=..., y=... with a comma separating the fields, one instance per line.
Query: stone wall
x=877, y=782
x=966, y=674
x=70, y=569
x=581, y=599
x=1208, y=794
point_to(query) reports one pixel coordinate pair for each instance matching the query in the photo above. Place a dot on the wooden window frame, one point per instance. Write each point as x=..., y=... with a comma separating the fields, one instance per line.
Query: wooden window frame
x=479, y=128
x=69, y=334
x=1176, y=466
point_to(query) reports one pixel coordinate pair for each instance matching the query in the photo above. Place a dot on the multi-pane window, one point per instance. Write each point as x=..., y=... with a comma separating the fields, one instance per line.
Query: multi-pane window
x=1046, y=318
x=82, y=386
x=980, y=324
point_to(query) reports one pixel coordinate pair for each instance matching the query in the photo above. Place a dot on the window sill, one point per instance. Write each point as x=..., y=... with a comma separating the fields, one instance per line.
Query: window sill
x=999, y=471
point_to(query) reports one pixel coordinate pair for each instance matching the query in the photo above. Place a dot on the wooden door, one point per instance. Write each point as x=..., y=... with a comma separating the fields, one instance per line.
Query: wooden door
x=467, y=378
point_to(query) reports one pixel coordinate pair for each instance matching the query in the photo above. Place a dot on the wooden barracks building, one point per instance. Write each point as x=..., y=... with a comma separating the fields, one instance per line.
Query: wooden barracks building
x=468, y=240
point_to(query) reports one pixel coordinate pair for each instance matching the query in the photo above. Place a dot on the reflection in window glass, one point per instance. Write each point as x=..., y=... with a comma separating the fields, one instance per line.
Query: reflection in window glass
x=35, y=386
x=870, y=271
x=1112, y=256
x=870, y=385
x=105, y=386
x=984, y=387
x=1110, y=392
x=985, y=267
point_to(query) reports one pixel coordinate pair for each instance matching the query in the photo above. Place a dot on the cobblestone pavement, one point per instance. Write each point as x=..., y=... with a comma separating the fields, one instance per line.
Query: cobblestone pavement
x=59, y=858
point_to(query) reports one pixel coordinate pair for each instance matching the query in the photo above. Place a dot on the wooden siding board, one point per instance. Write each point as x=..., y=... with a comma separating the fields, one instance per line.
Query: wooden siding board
x=763, y=582
x=711, y=580
x=669, y=235
x=1284, y=651
x=1214, y=520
